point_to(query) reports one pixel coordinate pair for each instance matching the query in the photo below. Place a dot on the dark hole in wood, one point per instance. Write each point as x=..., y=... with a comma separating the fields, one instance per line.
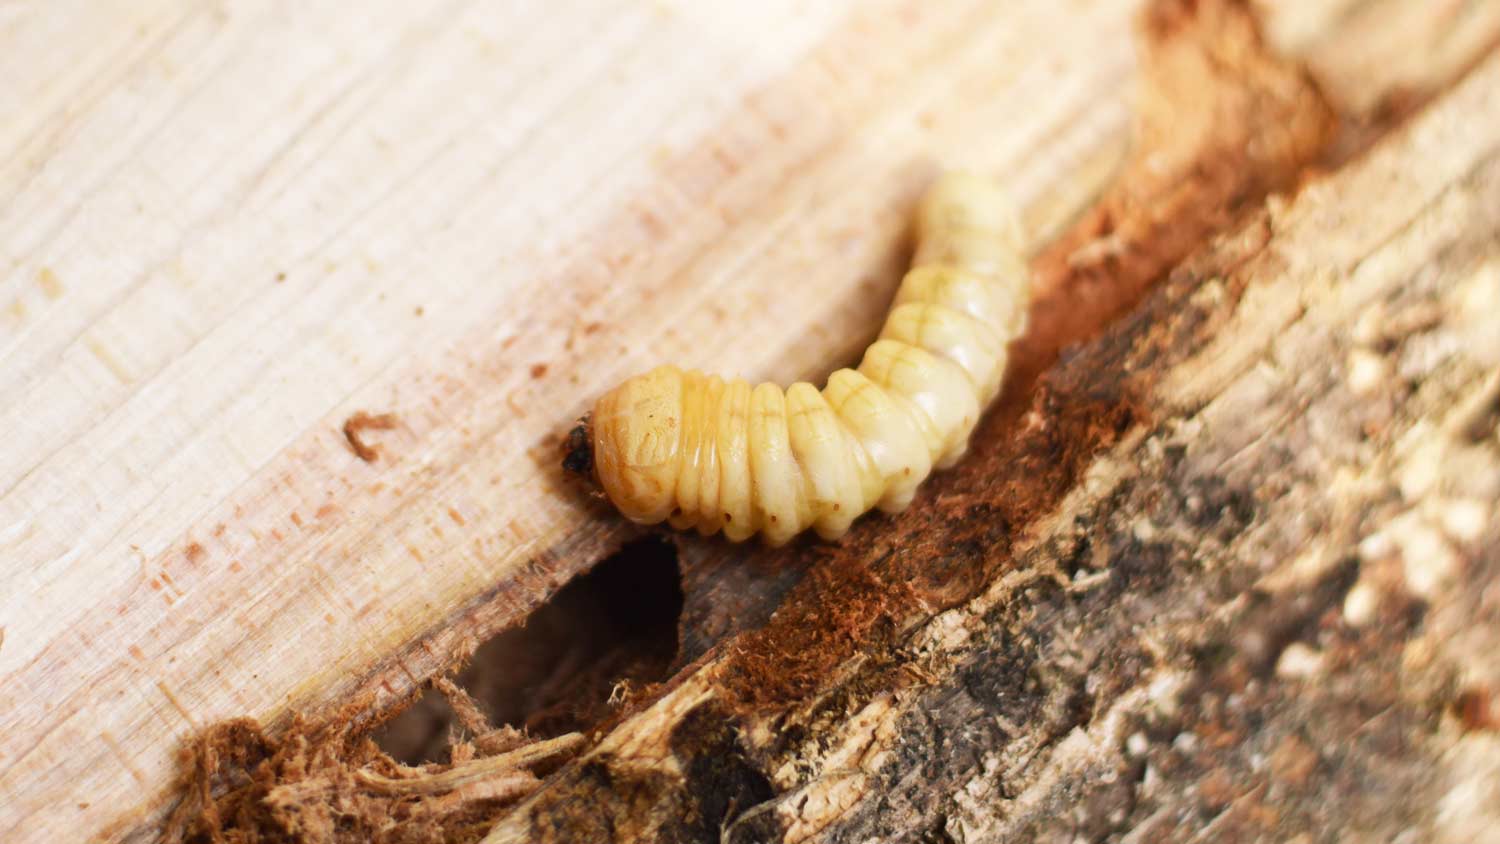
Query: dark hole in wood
x=556, y=672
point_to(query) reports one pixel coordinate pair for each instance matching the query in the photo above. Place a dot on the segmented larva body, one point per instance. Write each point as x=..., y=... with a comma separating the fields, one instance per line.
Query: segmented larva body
x=714, y=454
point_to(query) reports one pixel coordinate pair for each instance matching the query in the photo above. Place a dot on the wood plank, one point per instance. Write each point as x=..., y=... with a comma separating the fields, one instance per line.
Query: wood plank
x=227, y=229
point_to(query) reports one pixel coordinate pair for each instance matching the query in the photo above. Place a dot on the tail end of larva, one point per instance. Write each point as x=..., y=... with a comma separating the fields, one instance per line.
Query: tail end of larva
x=966, y=200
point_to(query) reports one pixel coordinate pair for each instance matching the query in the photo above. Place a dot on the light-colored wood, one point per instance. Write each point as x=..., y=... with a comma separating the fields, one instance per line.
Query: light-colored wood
x=226, y=228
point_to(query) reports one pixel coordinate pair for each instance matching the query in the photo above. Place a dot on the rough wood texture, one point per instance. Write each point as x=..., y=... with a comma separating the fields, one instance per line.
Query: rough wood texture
x=229, y=229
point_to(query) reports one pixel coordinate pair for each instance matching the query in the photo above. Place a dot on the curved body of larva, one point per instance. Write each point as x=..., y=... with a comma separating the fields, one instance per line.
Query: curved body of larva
x=715, y=454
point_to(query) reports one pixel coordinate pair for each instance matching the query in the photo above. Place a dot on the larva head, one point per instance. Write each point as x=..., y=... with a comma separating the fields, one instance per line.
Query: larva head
x=637, y=444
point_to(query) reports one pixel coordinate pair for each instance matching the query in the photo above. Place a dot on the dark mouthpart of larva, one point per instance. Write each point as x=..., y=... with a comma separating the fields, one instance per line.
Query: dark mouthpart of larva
x=579, y=459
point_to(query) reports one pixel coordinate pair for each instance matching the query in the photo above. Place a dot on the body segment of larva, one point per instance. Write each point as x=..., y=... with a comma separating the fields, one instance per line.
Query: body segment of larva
x=716, y=455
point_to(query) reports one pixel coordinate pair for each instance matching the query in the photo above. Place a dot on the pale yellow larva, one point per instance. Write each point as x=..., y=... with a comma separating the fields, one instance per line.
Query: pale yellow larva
x=706, y=453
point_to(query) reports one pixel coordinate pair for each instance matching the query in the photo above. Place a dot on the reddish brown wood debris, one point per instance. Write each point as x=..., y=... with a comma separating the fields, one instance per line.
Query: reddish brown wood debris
x=360, y=422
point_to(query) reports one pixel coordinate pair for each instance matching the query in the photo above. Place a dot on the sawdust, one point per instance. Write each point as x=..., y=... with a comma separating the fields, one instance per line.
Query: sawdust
x=329, y=784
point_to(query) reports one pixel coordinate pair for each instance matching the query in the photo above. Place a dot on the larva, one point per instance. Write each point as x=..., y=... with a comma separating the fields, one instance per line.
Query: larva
x=713, y=454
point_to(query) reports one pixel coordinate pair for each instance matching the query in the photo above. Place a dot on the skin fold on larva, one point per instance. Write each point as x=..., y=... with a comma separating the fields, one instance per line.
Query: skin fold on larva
x=703, y=452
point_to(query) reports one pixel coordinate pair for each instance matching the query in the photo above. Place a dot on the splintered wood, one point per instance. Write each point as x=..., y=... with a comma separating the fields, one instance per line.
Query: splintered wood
x=326, y=783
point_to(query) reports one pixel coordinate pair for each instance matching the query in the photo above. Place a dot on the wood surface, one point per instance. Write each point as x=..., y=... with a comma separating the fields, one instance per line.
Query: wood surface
x=226, y=230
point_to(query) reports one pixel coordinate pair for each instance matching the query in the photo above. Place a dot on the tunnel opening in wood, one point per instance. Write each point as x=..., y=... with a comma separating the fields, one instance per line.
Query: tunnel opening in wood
x=608, y=632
